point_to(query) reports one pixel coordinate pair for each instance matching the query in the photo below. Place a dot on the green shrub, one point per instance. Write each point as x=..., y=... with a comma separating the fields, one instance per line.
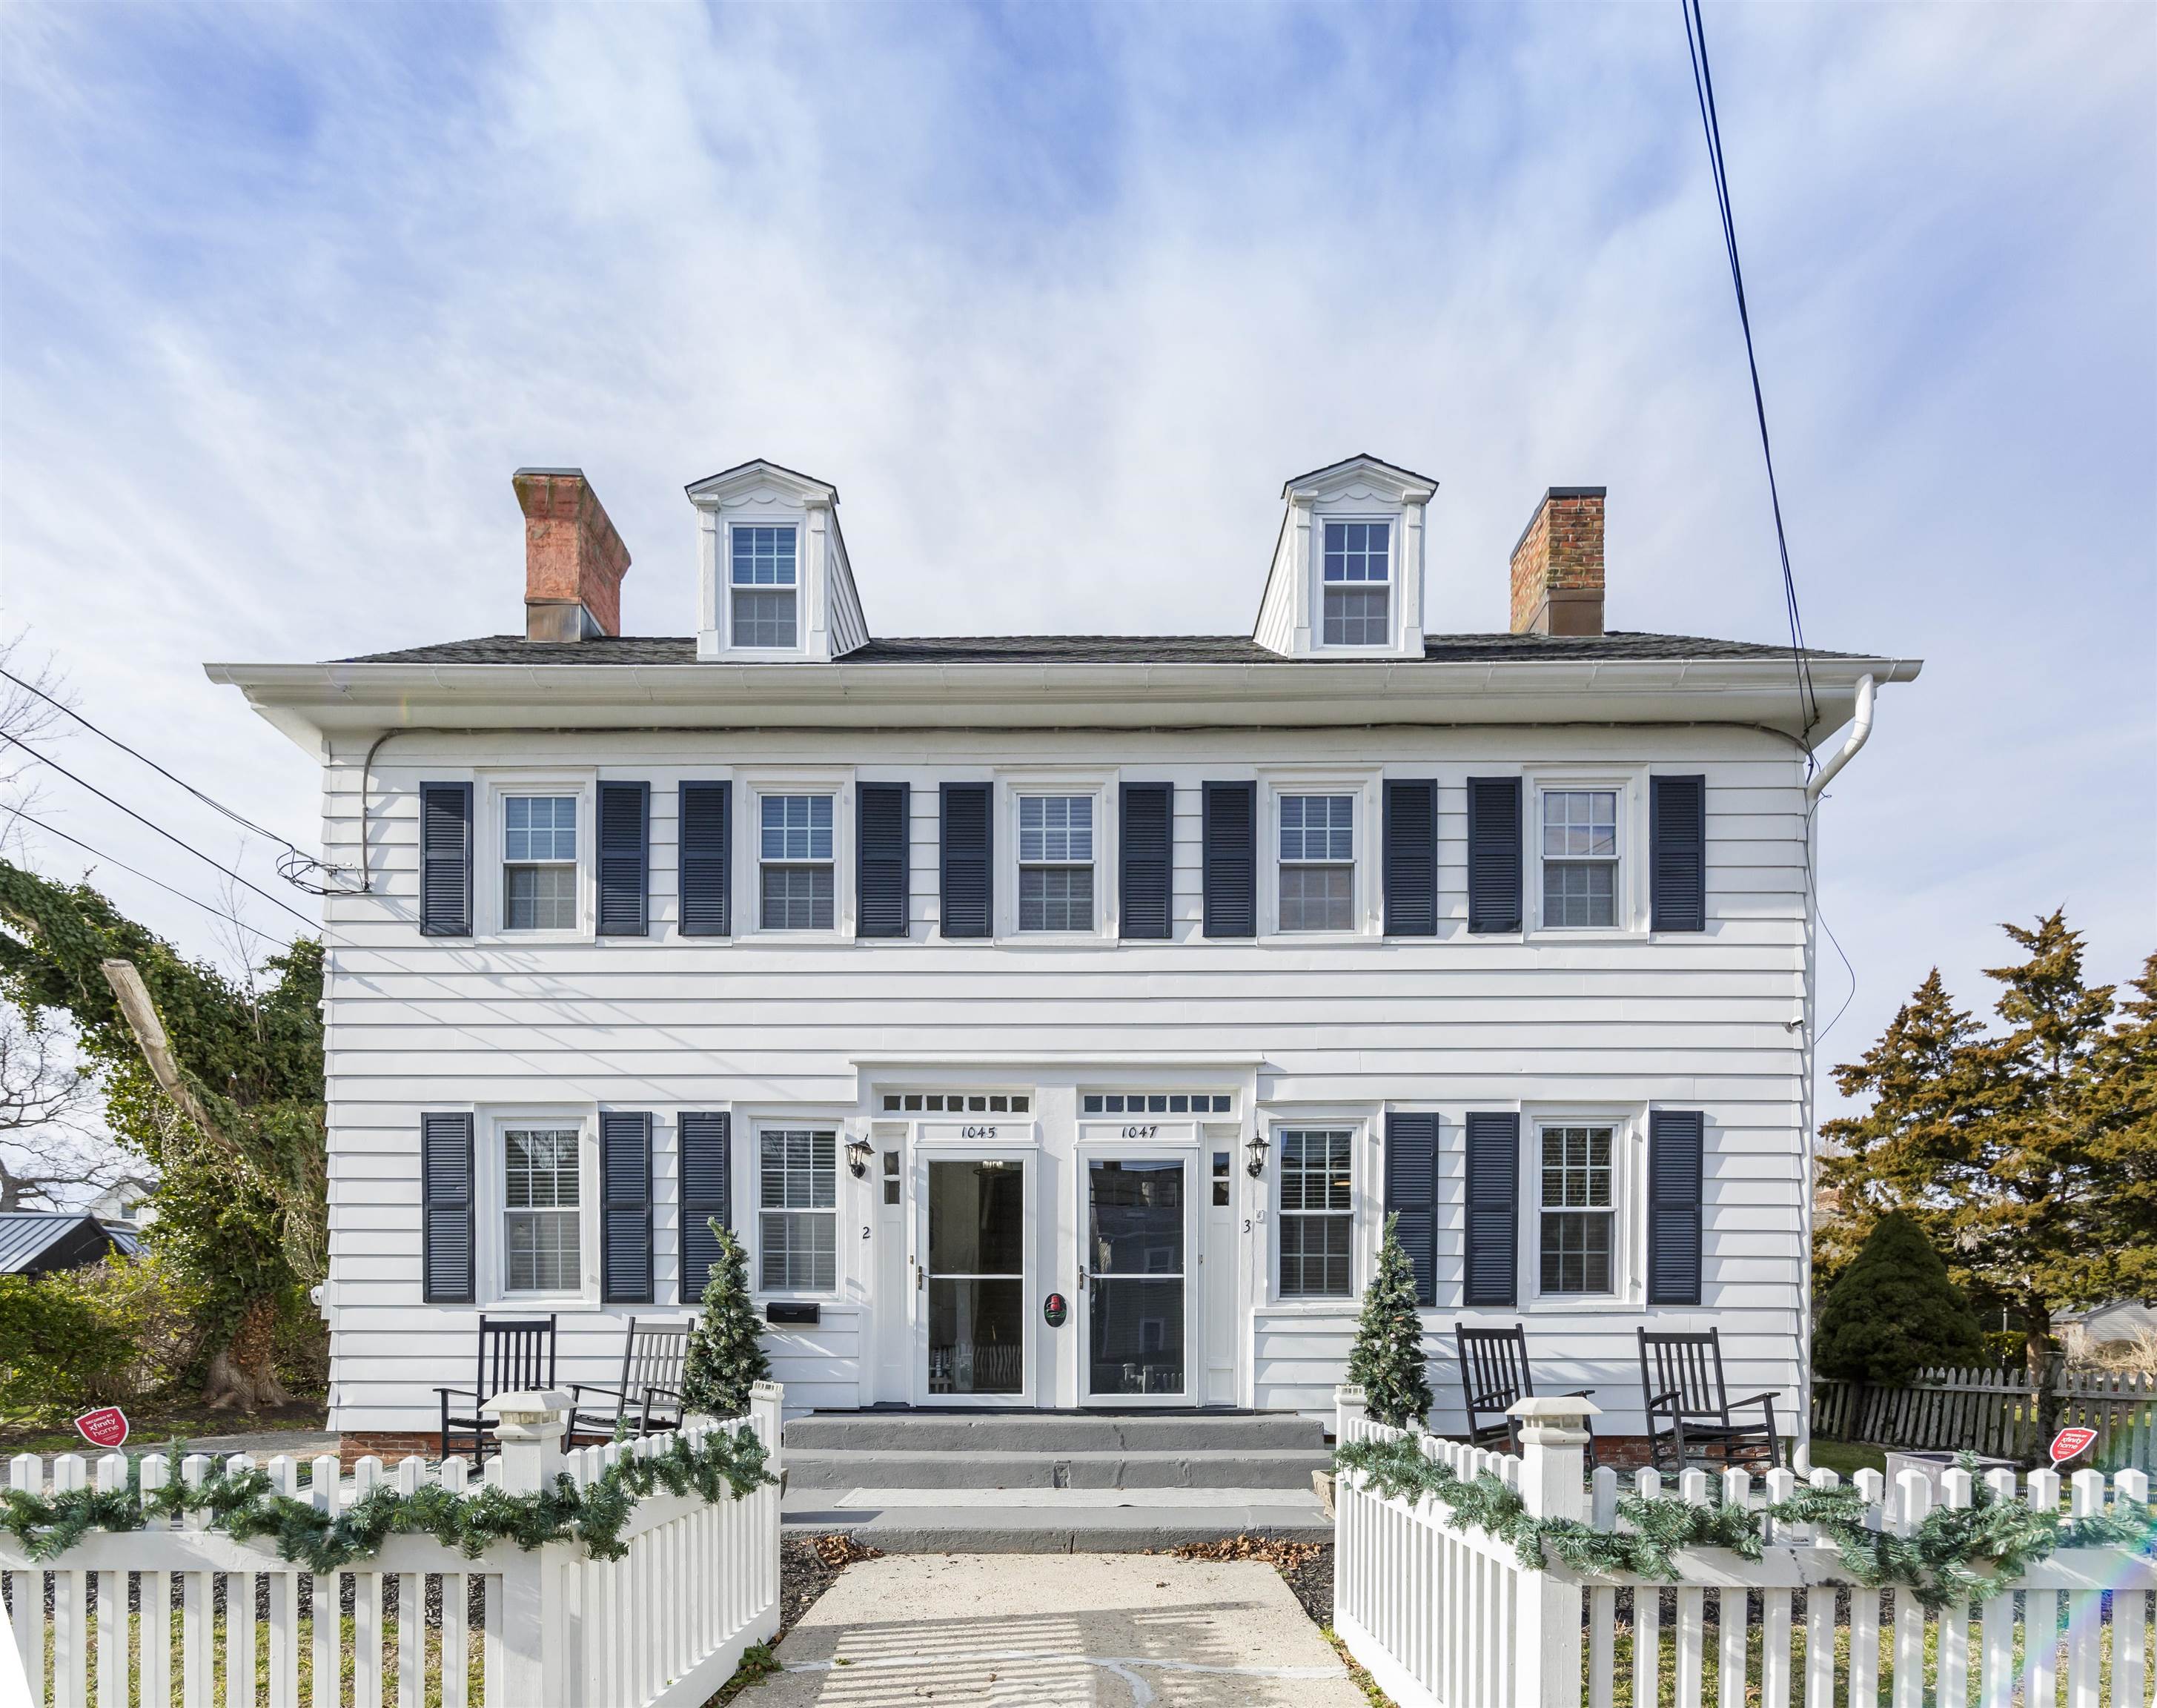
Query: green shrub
x=59, y=1353
x=1386, y=1360
x=301, y=1352
x=1894, y=1312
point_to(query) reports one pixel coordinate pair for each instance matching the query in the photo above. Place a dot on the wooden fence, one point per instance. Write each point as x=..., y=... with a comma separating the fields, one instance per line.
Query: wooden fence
x=184, y=1615
x=1993, y=1412
x=1448, y=1618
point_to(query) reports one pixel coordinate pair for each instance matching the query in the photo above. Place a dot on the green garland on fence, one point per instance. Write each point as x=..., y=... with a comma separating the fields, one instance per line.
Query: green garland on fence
x=1936, y=1562
x=246, y=1504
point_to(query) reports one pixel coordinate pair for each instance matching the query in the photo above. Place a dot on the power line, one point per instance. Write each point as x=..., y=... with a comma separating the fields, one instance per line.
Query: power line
x=17, y=742
x=99, y=854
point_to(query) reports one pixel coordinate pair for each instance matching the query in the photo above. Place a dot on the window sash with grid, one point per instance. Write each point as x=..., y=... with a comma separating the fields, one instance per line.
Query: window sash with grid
x=797, y=1214
x=1316, y=1213
x=1575, y=1248
x=1318, y=862
x=1357, y=574
x=764, y=585
x=796, y=886
x=539, y=863
x=1580, y=856
x=542, y=1217
x=1056, y=862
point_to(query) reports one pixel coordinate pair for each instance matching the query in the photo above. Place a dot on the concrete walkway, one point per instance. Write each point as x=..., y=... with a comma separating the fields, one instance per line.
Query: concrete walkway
x=1056, y=1631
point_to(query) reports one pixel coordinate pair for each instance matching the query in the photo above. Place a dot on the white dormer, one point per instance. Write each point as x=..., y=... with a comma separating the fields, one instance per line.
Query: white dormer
x=776, y=586
x=1347, y=573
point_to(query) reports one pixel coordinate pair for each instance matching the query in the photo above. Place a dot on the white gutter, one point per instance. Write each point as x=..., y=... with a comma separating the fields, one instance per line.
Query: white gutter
x=1861, y=731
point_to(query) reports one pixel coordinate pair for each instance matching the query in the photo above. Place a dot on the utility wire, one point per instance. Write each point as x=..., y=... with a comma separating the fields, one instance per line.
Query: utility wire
x=1703, y=84
x=99, y=854
x=17, y=742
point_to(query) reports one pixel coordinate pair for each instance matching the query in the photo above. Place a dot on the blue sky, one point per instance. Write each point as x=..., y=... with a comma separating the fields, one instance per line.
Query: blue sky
x=1058, y=296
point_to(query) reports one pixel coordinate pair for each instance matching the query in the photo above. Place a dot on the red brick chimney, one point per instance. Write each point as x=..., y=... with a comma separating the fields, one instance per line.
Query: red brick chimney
x=574, y=560
x=1557, y=565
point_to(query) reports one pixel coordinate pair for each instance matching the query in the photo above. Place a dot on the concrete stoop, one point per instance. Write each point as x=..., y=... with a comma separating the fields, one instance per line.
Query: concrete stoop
x=1052, y=1482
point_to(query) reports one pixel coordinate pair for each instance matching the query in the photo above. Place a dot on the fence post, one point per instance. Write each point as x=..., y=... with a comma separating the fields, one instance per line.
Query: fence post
x=1553, y=1466
x=1349, y=1407
x=765, y=1403
x=529, y=1426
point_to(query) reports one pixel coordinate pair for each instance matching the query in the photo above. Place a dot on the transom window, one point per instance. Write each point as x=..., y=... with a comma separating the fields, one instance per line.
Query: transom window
x=1317, y=863
x=1156, y=1102
x=540, y=1215
x=1316, y=1213
x=797, y=1201
x=539, y=863
x=1580, y=856
x=764, y=586
x=972, y=1102
x=1056, y=862
x=795, y=862
x=1357, y=577
x=1577, y=1213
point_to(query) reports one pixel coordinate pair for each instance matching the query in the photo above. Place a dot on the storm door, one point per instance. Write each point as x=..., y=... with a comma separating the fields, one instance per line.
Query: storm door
x=975, y=1279
x=1137, y=1242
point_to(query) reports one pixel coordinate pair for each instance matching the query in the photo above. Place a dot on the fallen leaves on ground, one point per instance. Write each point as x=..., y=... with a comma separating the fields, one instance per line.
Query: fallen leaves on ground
x=842, y=1549
x=1288, y=1556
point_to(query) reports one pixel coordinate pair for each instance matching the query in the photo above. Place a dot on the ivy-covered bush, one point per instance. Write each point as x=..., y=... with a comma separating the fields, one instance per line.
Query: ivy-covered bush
x=106, y=1334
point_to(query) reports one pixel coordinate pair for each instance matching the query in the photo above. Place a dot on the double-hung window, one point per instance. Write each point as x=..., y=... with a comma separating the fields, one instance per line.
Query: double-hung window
x=1316, y=1213
x=1580, y=856
x=1357, y=582
x=764, y=585
x=1577, y=1210
x=541, y=1213
x=1056, y=862
x=1318, y=862
x=797, y=1208
x=795, y=862
x=539, y=863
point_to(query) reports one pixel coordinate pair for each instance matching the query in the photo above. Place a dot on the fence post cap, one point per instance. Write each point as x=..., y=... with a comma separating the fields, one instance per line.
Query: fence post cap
x=1553, y=1408
x=527, y=1413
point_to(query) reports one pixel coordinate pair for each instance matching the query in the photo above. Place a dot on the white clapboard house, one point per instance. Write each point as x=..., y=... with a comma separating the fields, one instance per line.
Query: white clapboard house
x=1058, y=1018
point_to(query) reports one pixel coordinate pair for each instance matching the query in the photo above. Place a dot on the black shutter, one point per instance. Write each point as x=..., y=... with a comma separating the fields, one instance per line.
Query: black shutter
x=1677, y=853
x=880, y=829
x=1411, y=859
x=1412, y=1193
x=624, y=858
x=1676, y=1144
x=1494, y=854
x=446, y=1231
x=1494, y=1215
x=707, y=1163
x=968, y=890
x=705, y=841
x=1231, y=859
x=445, y=860
x=625, y=1207
x=1147, y=880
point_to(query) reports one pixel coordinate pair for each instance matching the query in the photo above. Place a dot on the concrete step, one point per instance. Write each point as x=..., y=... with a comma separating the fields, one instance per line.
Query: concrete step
x=1054, y=1432
x=1252, y=1468
x=1050, y=1521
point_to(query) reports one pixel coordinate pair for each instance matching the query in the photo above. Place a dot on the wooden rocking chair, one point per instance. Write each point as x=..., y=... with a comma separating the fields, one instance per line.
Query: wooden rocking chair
x=647, y=1398
x=1689, y=1412
x=515, y=1355
x=1494, y=1373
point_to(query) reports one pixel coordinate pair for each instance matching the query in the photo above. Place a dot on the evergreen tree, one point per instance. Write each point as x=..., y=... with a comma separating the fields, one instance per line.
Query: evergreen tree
x=1386, y=1361
x=726, y=1350
x=1894, y=1312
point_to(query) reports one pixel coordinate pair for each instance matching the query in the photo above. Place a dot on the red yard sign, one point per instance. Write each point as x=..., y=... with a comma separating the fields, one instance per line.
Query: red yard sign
x=2073, y=1443
x=106, y=1427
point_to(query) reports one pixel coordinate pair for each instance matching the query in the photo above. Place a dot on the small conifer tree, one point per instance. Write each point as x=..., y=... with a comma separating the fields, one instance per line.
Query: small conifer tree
x=1386, y=1362
x=726, y=1351
x=1894, y=1311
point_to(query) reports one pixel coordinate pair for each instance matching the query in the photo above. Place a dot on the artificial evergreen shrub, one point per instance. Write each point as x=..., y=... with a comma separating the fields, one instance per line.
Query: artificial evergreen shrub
x=1386, y=1361
x=1894, y=1312
x=726, y=1351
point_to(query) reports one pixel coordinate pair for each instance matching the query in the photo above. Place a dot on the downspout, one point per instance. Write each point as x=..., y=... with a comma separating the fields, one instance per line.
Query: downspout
x=1861, y=731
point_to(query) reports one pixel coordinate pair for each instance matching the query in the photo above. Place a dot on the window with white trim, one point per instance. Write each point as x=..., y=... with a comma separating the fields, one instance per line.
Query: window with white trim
x=763, y=586
x=1318, y=862
x=797, y=1205
x=1577, y=1210
x=1356, y=579
x=1056, y=862
x=794, y=861
x=539, y=863
x=1580, y=856
x=1316, y=1213
x=542, y=1215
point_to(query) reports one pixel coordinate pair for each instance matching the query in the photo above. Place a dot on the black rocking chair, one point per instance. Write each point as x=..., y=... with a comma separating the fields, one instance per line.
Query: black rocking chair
x=1689, y=1411
x=648, y=1398
x=515, y=1354
x=1494, y=1373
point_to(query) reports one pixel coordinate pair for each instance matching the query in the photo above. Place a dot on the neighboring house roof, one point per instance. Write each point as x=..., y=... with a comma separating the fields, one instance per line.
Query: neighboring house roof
x=1096, y=648
x=37, y=1242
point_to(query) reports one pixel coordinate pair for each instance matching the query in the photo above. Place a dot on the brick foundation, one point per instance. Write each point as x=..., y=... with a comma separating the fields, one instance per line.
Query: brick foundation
x=386, y=1446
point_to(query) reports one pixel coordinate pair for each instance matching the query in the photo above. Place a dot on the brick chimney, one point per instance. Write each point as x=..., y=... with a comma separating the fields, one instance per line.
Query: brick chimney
x=1557, y=565
x=574, y=560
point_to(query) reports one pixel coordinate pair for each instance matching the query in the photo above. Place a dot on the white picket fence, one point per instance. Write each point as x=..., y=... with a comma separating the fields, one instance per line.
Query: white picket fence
x=663, y=1627
x=1447, y=1618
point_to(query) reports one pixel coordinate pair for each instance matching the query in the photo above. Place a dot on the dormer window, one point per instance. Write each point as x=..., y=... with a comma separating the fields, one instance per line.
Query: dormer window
x=1358, y=584
x=765, y=586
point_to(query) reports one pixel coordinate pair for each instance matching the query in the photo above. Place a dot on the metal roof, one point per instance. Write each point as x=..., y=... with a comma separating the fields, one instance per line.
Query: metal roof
x=33, y=1241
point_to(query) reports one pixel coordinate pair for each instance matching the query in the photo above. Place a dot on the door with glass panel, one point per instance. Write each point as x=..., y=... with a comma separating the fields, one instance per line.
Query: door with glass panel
x=1134, y=1270
x=974, y=1279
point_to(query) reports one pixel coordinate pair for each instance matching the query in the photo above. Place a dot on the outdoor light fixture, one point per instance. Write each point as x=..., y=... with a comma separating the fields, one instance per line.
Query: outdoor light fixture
x=858, y=1156
x=1257, y=1151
